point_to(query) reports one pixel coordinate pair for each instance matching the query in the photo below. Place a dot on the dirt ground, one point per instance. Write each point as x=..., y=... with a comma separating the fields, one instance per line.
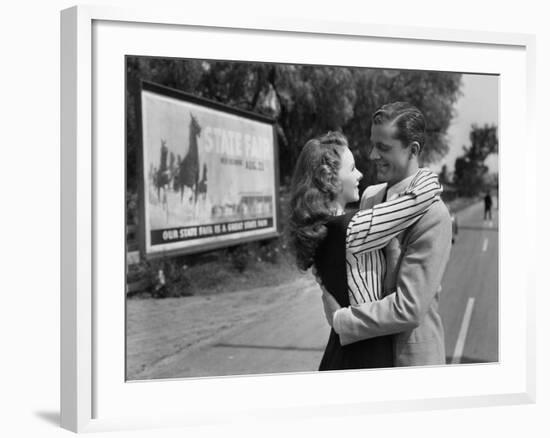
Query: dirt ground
x=157, y=329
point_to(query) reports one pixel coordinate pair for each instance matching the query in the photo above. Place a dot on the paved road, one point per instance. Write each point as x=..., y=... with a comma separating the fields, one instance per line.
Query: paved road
x=469, y=303
x=291, y=337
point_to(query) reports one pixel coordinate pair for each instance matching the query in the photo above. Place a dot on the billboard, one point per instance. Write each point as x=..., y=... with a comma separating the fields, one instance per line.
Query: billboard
x=209, y=174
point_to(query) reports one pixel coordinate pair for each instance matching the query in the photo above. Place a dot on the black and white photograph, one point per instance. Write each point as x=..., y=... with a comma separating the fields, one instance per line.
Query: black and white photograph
x=288, y=218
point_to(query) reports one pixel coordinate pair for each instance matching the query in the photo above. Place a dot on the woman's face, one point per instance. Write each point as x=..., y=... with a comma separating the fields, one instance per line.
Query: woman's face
x=349, y=178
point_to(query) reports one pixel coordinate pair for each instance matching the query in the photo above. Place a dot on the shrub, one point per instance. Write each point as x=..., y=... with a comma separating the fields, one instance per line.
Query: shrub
x=161, y=278
x=240, y=256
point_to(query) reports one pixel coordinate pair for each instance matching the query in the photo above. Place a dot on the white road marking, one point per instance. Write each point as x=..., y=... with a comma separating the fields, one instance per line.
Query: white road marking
x=485, y=244
x=459, y=347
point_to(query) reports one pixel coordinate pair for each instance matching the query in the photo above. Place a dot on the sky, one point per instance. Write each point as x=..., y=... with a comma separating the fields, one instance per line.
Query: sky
x=478, y=104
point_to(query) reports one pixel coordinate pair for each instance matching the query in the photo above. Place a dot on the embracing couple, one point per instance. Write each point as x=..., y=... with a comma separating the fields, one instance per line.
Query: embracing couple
x=379, y=267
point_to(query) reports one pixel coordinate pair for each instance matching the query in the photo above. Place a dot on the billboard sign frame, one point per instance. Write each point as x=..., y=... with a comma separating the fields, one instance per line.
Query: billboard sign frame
x=203, y=237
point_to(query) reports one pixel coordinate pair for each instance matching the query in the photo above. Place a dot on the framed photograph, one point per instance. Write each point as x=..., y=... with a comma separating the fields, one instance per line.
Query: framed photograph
x=180, y=135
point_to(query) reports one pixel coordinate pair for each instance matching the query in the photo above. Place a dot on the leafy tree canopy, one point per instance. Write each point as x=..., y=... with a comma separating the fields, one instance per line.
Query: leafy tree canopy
x=305, y=100
x=470, y=169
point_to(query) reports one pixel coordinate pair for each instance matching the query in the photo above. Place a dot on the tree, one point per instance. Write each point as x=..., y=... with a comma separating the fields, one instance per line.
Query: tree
x=313, y=100
x=444, y=174
x=470, y=169
x=305, y=101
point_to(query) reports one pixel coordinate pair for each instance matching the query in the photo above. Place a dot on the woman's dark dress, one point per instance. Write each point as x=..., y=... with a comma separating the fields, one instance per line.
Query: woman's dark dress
x=330, y=261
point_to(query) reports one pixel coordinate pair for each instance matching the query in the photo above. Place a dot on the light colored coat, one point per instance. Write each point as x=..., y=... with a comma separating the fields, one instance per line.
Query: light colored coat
x=412, y=313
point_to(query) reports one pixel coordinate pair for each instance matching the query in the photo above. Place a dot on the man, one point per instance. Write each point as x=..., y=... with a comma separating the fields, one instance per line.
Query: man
x=488, y=206
x=419, y=255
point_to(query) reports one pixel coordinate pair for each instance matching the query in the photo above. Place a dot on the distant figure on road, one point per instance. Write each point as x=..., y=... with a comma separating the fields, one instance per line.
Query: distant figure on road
x=324, y=237
x=488, y=206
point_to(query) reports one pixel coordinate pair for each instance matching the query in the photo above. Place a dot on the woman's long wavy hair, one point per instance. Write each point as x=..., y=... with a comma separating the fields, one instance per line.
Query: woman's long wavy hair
x=314, y=188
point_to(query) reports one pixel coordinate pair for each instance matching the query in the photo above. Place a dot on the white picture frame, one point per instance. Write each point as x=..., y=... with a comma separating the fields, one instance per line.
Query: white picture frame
x=93, y=395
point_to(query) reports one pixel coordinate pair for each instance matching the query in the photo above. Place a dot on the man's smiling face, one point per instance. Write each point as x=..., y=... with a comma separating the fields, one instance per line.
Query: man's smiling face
x=392, y=158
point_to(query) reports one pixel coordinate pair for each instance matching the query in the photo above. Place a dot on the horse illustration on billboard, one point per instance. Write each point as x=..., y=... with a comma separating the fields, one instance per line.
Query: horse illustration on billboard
x=163, y=175
x=203, y=183
x=188, y=170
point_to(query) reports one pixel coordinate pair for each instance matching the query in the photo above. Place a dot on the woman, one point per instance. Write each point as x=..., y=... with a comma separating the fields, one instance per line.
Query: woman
x=323, y=236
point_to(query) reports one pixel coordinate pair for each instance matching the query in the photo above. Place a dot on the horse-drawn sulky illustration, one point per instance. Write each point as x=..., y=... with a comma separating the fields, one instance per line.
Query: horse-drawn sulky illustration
x=182, y=175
